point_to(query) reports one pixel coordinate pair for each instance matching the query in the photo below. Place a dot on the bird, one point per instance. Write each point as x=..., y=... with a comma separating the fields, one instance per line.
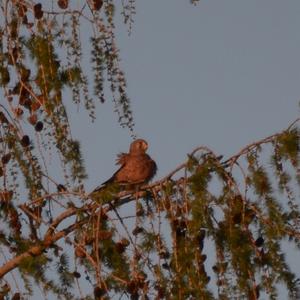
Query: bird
x=136, y=167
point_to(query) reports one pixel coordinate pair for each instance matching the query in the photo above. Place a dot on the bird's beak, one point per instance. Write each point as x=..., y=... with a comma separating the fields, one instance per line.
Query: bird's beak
x=145, y=146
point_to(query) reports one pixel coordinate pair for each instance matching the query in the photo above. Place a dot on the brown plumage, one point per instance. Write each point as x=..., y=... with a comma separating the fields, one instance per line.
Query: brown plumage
x=137, y=167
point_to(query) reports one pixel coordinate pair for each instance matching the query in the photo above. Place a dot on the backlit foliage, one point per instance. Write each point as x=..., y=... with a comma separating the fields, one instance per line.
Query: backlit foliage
x=44, y=69
x=213, y=228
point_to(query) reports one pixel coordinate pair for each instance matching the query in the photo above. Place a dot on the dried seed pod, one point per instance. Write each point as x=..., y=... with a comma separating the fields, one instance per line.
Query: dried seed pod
x=259, y=242
x=202, y=258
x=237, y=218
x=6, y=158
x=61, y=188
x=39, y=126
x=131, y=287
x=14, y=219
x=97, y=4
x=21, y=11
x=25, y=141
x=32, y=119
x=120, y=247
x=200, y=239
x=137, y=230
x=76, y=274
x=16, y=89
x=3, y=118
x=25, y=20
x=38, y=12
x=99, y=292
x=104, y=216
x=4, y=76
x=16, y=296
x=63, y=4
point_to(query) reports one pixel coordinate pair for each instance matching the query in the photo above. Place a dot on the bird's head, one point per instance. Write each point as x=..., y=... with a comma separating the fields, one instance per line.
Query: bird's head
x=139, y=145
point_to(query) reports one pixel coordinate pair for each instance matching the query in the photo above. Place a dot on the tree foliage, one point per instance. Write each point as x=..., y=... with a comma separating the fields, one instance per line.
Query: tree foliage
x=213, y=228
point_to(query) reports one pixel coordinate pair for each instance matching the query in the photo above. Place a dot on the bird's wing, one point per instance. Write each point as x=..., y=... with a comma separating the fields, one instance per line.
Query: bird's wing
x=137, y=169
x=122, y=158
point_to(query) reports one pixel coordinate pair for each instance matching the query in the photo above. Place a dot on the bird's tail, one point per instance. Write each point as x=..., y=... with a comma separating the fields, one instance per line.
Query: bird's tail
x=103, y=185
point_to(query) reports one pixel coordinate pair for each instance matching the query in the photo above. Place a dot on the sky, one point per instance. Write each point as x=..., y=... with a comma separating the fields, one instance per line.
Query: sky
x=221, y=74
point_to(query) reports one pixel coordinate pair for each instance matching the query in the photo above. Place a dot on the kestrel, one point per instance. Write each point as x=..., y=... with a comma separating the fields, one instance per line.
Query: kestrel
x=137, y=167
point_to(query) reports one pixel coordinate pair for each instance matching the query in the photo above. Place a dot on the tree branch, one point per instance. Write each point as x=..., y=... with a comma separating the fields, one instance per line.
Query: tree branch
x=121, y=199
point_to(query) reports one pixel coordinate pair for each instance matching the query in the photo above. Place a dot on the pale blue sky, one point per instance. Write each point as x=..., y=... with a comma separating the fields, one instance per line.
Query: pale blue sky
x=220, y=74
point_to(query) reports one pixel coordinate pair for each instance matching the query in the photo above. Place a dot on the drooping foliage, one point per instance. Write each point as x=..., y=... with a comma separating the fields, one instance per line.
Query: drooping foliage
x=44, y=70
x=213, y=228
